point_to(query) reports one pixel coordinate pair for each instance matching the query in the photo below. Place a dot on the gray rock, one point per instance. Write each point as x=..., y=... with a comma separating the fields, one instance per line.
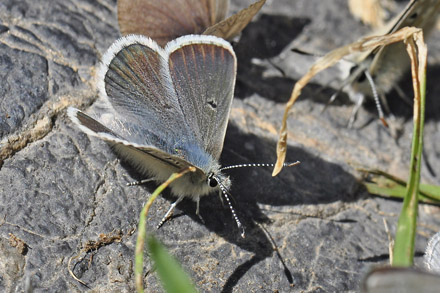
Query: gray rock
x=60, y=189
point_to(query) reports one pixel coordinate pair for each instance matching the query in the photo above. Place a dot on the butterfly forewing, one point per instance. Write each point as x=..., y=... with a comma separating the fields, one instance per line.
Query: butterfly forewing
x=233, y=25
x=203, y=75
x=164, y=21
x=418, y=13
x=90, y=123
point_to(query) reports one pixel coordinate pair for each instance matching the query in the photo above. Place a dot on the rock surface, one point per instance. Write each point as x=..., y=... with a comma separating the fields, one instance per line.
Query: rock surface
x=60, y=189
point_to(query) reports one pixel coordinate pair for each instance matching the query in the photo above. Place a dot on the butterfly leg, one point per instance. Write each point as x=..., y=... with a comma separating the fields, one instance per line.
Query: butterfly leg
x=169, y=212
x=383, y=100
x=198, y=210
x=143, y=181
x=220, y=195
x=403, y=95
x=359, y=101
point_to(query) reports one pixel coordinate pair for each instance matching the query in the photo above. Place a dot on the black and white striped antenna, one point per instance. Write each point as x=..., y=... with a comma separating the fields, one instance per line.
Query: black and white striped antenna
x=226, y=193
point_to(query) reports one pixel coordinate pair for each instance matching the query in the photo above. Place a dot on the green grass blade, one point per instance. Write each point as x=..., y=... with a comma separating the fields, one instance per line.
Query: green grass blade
x=173, y=277
x=386, y=185
x=142, y=232
x=407, y=224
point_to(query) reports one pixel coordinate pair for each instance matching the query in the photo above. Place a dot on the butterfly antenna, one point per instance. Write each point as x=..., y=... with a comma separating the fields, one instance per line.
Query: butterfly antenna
x=359, y=101
x=258, y=165
x=376, y=98
x=140, y=182
x=234, y=215
x=226, y=194
x=303, y=52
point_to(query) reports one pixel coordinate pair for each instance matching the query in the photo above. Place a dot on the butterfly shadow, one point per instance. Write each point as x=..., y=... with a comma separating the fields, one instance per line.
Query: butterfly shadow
x=270, y=35
x=432, y=93
x=264, y=39
x=403, y=107
x=314, y=181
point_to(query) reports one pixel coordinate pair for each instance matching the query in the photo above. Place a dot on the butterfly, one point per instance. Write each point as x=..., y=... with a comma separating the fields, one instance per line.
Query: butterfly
x=164, y=21
x=386, y=65
x=166, y=109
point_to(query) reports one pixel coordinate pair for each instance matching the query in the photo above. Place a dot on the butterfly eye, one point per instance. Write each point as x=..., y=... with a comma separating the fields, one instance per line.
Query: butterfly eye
x=413, y=16
x=361, y=77
x=212, y=181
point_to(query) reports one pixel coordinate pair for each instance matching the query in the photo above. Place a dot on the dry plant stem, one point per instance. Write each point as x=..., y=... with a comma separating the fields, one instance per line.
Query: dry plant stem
x=390, y=240
x=91, y=245
x=142, y=232
x=363, y=45
x=406, y=227
x=71, y=272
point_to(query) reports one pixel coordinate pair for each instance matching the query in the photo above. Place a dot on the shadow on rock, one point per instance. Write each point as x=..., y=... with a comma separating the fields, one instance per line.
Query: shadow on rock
x=314, y=181
x=264, y=39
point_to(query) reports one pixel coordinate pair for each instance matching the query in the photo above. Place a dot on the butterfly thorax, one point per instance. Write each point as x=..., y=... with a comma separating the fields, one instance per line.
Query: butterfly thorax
x=207, y=177
x=199, y=183
x=190, y=151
